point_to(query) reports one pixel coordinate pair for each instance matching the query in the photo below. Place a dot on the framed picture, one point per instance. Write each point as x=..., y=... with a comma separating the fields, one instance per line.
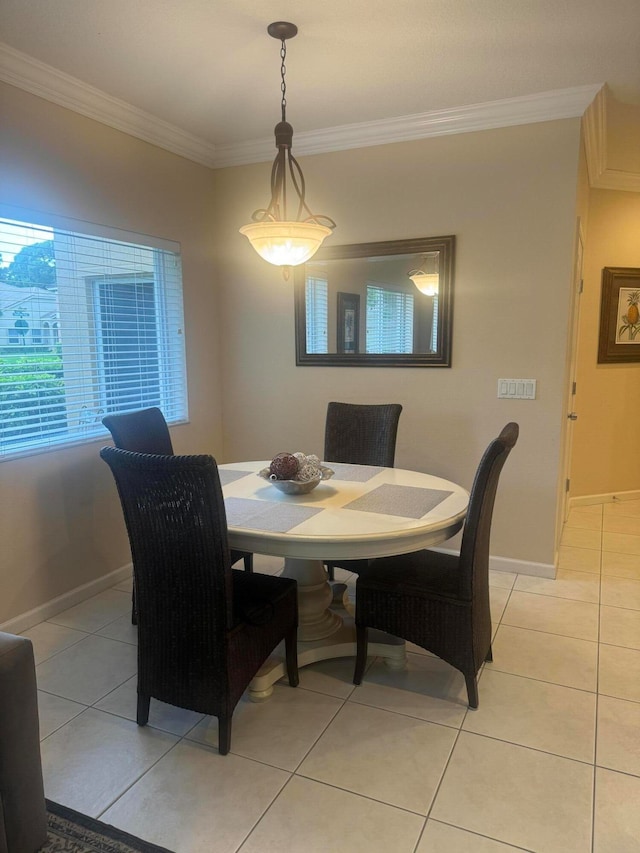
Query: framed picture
x=619, y=315
x=348, y=322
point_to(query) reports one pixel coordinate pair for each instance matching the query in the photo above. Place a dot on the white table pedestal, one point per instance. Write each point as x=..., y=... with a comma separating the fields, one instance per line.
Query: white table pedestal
x=315, y=620
x=323, y=633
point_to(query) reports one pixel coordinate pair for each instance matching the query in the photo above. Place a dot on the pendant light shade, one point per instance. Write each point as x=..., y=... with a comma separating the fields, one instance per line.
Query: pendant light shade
x=426, y=283
x=427, y=277
x=273, y=233
x=285, y=244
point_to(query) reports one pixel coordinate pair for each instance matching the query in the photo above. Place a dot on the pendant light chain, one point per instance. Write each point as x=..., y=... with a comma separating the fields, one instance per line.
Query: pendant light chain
x=283, y=87
x=283, y=84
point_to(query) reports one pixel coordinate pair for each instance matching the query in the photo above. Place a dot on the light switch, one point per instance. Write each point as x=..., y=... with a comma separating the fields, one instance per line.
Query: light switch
x=517, y=389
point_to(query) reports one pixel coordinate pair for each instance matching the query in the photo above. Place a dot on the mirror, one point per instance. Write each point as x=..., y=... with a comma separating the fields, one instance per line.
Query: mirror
x=357, y=306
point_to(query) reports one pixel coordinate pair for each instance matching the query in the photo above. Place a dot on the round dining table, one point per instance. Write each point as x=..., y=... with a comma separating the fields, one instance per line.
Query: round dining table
x=361, y=512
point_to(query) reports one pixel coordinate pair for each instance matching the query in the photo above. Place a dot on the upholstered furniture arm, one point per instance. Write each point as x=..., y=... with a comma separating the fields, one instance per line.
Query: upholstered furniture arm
x=23, y=814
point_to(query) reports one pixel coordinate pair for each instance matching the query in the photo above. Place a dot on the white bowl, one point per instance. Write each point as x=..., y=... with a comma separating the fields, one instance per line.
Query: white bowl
x=297, y=487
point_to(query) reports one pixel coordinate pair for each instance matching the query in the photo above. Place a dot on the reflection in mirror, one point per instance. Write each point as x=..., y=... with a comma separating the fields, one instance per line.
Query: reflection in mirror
x=376, y=304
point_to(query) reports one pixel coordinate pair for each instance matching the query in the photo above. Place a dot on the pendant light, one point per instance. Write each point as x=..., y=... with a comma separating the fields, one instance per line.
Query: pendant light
x=427, y=282
x=276, y=237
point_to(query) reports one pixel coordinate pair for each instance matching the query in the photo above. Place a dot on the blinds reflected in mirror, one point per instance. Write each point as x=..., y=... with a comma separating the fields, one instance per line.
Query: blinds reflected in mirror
x=389, y=320
x=317, y=307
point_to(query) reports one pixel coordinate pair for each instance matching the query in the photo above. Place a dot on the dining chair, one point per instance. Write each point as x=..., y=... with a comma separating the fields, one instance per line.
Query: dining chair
x=361, y=435
x=146, y=431
x=438, y=601
x=204, y=629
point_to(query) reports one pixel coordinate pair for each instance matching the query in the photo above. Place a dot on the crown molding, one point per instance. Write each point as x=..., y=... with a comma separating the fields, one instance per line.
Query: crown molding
x=595, y=136
x=545, y=106
x=616, y=179
x=46, y=82
x=595, y=125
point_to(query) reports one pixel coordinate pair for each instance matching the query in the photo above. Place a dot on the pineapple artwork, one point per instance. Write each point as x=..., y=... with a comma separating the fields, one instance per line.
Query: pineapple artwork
x=628, y=316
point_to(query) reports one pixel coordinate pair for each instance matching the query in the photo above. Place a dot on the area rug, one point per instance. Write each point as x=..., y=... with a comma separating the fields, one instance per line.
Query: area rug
x=72, y=832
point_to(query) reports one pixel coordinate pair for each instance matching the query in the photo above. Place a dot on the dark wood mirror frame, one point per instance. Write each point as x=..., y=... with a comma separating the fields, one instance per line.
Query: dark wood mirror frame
x=445, y=246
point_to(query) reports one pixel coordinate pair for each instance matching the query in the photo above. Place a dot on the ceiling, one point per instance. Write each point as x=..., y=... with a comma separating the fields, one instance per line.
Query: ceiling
x=209, y=68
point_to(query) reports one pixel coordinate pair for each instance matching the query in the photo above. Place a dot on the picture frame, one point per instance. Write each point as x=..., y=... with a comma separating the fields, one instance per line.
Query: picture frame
x=619, y=340
x=348, y=331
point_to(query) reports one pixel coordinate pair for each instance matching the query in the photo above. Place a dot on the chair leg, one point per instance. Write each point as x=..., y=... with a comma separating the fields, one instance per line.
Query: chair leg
x=224, y=733
x=489, y=656
x=291, y=651
x=248, y=563
x=331, y=571
x=472, y=689
x=142, y=715
x=362, y=643
x=134, y=612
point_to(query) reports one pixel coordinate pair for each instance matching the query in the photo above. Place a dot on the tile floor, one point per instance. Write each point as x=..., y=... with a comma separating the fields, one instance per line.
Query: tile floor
x=549, y=762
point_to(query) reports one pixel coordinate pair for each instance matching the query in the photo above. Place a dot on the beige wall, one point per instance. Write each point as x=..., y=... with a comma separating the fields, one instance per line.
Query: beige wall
x=509, y=196
x=60, y=523
x=605, y=457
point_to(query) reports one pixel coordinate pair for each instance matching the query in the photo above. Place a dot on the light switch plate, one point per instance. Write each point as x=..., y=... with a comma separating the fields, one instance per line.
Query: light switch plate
x=517, y=389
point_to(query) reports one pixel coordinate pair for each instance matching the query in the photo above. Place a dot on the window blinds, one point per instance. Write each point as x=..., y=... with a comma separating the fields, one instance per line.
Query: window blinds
x=389, y=320
x=89, y=325
x=317, y=314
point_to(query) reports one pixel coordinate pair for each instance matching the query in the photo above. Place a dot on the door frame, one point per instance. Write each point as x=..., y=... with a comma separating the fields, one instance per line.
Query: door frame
x=570, y=397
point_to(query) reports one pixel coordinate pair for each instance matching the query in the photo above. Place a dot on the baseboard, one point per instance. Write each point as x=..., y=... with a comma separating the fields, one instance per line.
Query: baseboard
x=75, y=596
x=522, y=567
x=613, y=497
x=62, y=602
x=507, y=564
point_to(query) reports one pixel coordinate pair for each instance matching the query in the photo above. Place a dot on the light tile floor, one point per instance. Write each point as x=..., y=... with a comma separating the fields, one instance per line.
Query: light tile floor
x=549, y=762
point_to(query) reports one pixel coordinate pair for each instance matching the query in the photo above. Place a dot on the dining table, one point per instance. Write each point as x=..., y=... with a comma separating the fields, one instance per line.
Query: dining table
x=361, y=512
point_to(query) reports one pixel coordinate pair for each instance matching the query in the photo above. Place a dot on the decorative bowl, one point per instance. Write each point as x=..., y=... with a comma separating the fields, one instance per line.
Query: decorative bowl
x=297, y=487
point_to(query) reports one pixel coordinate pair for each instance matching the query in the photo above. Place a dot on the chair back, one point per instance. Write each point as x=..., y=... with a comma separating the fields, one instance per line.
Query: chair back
x=361, y=434
x=145, y=431
x=175, y=517
x=474, y=552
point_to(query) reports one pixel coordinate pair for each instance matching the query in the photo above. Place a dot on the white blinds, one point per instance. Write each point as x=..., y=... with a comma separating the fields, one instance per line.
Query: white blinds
x=89, y=325
x=389, y=320
x=434, y=326
x=317, y=314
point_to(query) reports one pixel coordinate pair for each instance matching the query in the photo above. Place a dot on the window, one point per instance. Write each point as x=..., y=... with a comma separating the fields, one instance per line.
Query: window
x=317, y=314
x=128, y=343
x=389, y=320
x=104, y=331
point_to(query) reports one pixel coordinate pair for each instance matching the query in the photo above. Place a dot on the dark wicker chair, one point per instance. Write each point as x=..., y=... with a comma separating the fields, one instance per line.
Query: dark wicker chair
x=440, y=601
x=360, y=435
x=146, y=431
x=204, y=629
